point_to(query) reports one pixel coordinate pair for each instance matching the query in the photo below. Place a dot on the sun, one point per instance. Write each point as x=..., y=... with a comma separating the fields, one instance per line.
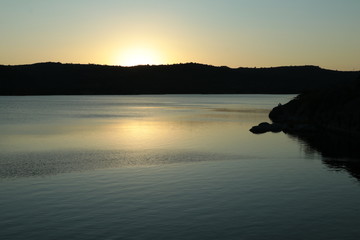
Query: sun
x=138, y=56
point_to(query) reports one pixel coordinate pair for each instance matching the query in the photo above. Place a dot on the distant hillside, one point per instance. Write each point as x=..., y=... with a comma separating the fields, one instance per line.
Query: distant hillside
x=190, y=78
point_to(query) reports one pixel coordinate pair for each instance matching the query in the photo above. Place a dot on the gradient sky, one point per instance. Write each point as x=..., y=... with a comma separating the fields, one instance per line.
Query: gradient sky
x=247, y=33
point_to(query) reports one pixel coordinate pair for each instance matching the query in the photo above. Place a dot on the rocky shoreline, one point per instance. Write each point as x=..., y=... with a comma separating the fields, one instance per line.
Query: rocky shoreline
x=335, y=109
x=283, y=127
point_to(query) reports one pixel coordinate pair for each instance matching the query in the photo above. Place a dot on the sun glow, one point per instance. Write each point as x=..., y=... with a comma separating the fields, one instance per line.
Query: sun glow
x=138, y=56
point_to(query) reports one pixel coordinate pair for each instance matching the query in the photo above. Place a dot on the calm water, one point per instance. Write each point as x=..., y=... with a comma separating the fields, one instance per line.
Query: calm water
x=165, y=167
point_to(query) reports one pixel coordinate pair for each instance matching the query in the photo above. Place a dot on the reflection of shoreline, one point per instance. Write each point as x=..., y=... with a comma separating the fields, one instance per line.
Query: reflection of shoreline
x=337, y=151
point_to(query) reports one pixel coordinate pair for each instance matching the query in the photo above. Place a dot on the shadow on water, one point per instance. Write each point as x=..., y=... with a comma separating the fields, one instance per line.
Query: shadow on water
x=338, y=152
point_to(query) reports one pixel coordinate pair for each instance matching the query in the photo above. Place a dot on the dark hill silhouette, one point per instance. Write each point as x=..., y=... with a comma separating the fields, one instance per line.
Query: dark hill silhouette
x=190, y=78
x=332, y=109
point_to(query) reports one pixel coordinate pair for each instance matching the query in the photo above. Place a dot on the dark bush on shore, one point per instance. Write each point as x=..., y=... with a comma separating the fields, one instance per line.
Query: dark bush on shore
x=336, y=109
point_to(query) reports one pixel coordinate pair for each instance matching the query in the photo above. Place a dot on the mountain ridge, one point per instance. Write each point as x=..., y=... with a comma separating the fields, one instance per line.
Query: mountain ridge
x=54, y=78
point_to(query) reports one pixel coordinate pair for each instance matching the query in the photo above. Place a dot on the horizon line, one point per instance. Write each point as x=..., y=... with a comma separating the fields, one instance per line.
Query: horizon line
x=173, y=64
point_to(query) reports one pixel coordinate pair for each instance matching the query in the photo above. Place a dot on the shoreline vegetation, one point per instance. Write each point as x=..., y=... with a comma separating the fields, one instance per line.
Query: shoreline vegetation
x=326, y=120
x=189, y=78
x=333, y=109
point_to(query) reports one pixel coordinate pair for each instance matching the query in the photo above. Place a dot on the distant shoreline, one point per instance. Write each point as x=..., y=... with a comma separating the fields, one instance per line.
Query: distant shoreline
x=189, y=78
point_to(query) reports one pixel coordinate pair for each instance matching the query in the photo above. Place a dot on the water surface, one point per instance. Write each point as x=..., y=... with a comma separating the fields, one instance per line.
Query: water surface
x=164, y=167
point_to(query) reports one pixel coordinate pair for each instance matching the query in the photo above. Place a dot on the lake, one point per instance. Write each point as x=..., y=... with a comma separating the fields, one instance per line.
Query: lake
x=166, y=167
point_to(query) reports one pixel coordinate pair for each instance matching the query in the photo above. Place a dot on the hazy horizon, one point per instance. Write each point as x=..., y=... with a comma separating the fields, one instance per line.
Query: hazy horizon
x=179, y=63
x=230, y=33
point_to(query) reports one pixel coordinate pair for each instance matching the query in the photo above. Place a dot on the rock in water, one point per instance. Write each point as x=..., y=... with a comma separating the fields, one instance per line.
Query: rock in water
x=261, y=128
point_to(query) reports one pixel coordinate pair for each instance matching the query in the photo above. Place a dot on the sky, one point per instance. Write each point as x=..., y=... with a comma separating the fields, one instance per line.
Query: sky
x=234, y=33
